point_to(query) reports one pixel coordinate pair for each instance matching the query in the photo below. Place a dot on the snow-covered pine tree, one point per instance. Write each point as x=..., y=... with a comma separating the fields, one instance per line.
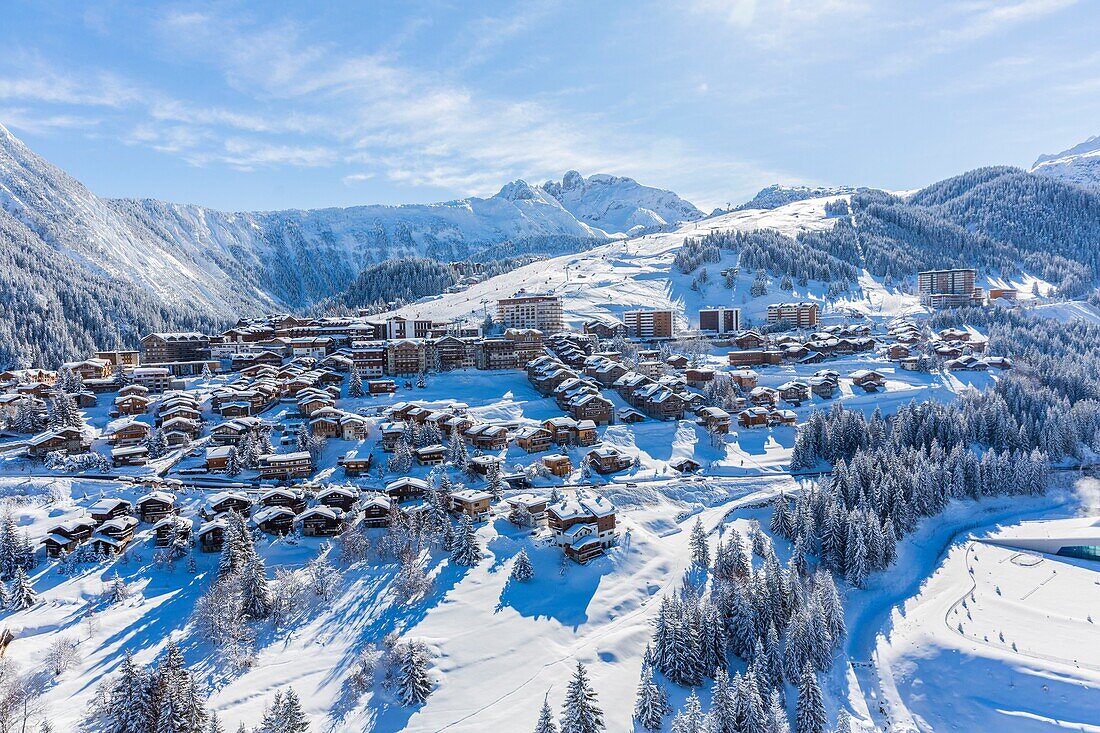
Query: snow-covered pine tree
x=700, y=550
x=751, y=717
x=131, y=705
x=690, y=719
x=21, y=593
x=810, y=708
x=843, y=721
x=457, y=455
x=651, y=704
x=521, y=568
x=355, y=383
x=233, y=465
x=465, y=550
x=414, y=684
x=580, y=711
x=494, y=481
x=723, y=706
x=256, y=597
x=777, y=714
x=157, y=444
x=546, y=722
x=292, y=717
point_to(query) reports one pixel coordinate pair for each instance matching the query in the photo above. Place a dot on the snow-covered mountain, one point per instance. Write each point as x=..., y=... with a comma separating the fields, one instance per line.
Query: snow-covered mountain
x=232, y=263
x=778, y=195
x=615, y=204
x=1079, y=164
x=635, y=273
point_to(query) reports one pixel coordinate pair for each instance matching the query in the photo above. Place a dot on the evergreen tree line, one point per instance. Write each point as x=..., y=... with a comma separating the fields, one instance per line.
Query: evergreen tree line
x=53, y=309
x=769, y=251
x=784, y=621
x=995, y=219
x=888, y=475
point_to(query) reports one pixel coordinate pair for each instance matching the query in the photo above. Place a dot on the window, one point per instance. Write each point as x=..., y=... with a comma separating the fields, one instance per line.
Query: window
x=1083, y=552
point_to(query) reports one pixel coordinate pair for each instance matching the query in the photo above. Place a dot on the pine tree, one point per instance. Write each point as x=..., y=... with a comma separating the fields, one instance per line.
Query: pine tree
x=751, y=717
x=690, y=719
x=466, y=550
x=810, y=709
x=118, y=592
x=521, y=568
x=546, y=722
x=21, y=594
x=457, y=455
x=256, y=596
x=207, y=375
x=414, y=684
x=777, y=714
x=855, y=560
x=355, y=383
x=843, y=721
x=494, y=481
x=215, y=725
x=292, y=718
x=233, y=465
x=700, y=550
x=651, y=704
x=157, y=444
x=580, y=712
x=723, y=706
x=131, y=705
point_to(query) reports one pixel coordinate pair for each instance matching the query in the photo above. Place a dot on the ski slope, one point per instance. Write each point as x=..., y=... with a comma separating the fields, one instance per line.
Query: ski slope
x=636, y=273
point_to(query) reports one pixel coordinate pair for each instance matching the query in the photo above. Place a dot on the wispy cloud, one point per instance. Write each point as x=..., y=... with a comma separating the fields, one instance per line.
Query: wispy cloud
x=967, y=23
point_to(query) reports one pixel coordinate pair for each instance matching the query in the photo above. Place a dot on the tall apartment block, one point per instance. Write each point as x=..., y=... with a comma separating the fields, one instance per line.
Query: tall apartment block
x=650, y=323
x=720, y=320
x=531, y=311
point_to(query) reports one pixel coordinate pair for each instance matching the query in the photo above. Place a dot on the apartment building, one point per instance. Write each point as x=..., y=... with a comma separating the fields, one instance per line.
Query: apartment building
x=720, y=320
x=799, y=315
x=531, y=311
x=646, y=324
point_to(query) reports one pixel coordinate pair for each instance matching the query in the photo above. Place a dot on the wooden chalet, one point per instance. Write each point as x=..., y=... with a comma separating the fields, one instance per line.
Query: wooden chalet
x=275, y=520
x=212, y=536
x=171, y=529
x=321, y=521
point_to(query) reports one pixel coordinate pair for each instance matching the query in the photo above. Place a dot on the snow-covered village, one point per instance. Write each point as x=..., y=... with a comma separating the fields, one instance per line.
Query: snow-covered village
x=570, y=457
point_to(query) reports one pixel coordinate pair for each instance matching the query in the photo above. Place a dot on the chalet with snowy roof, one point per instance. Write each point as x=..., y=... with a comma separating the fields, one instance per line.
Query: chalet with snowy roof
x=764, y=396
x=606, y=459
x=338, y=497
x=534, y=504
x=228, y=501
x=66, y=536
x=534, y=439
x=487, y=436
x=131, y=404
x=355, y=463
x=782, y=417
x=321, y=521
x=714, y=419
x=753, y=417
x=822, y=387
x=376, y=509
x=285, y=466
x=66, y=440
x=292, y=499
x=114, y=534
x=129, y=455
x=381, y=386
x=605, y=328
x=211, y=535
x=754, y=357
x=430, y=455
x=966, y=363
x=659, y=402
x=127, y=432
x=795, y=392
x=171, y=529
x=407, y=488
x=558, y=464
x=217, y=457
x=473, y=503
x=274, y=520
x=109, y=508
x=868, y=379
x=594, y=407
x=583, y=525
x=231, y=432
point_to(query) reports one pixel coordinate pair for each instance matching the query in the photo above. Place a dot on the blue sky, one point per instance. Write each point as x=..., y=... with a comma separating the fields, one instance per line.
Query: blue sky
x=255, y=105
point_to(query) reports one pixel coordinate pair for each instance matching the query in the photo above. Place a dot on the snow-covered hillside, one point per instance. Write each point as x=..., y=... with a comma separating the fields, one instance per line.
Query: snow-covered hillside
x=635, y=273
x=1079, y=164
x=778, y=195
x=242, y=262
